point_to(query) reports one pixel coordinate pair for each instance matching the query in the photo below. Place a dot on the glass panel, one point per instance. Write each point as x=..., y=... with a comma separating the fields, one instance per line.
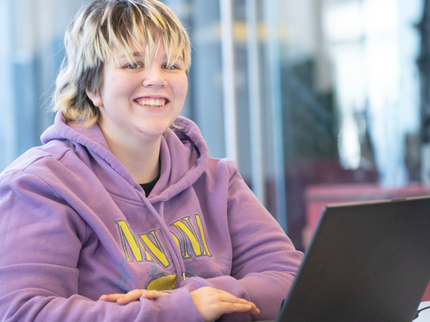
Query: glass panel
x=327, y=94
x=31, y=35
x=351, y=104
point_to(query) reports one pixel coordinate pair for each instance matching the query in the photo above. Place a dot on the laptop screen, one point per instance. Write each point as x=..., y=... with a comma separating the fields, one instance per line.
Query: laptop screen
x=366, y=262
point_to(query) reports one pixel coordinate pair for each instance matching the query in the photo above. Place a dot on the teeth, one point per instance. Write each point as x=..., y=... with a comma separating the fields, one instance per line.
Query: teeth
x=153, y=102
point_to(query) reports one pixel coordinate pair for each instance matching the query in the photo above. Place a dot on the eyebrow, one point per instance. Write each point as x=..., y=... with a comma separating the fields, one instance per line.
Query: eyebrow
x=135, y=54
x=139, y=54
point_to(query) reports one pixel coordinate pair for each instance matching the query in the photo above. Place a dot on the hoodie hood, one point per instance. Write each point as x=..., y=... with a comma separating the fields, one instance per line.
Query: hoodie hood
x=184, y=154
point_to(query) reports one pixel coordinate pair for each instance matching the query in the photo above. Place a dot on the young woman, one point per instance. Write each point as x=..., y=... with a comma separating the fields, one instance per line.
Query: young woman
x=122, y=215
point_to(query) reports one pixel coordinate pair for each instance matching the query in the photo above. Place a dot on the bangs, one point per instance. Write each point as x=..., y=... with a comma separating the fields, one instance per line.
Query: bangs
x=138, y=27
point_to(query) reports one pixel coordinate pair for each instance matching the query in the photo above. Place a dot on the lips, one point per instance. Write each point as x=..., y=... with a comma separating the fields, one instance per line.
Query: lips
x=152, y=102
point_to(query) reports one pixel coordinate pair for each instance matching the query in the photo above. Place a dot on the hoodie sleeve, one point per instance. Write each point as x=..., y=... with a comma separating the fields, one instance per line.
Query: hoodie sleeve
x=265, y=261
x=41, y=241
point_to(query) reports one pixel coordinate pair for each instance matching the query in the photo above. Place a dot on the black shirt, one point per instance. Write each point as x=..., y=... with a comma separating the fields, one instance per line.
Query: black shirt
x=147, y=187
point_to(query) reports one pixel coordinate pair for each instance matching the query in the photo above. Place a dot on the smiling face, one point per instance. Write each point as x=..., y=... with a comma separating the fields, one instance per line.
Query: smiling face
x=138, y=102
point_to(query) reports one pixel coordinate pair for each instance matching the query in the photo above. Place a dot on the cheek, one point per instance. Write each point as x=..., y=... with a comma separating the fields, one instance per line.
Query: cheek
x=121, y=88
x=181, y=88
x=116, y=93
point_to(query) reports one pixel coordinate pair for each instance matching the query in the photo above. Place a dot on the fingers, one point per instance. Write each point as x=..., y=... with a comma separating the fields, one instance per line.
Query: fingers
x=213, y=303
x=236, y=304
x=244, y=307
x=232, y=304
x=152, y=294
x=131, y=296
x=110, y=297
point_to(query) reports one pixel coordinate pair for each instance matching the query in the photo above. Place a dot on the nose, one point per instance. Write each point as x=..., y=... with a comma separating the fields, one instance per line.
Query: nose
x=154, y=77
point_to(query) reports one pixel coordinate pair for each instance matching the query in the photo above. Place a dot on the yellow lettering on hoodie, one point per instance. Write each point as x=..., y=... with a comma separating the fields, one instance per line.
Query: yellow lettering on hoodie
x=193, y=241
x=130, y=239
x=202, y=236
x=190, y=238
x=155, y=248
x=176, y=240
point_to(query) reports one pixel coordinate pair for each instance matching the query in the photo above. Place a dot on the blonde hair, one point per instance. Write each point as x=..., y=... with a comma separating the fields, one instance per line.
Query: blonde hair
x=98, y=33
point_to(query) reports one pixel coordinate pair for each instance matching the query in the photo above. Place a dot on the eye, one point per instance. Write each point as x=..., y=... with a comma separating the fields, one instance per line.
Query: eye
x=173, y=67
x=133, y=65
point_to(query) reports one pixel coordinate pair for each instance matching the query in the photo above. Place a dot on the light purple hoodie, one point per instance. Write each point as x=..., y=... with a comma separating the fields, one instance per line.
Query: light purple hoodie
x=75, y=225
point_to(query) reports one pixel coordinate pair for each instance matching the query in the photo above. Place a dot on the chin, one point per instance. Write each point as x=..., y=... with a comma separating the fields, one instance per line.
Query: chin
x=153, y=132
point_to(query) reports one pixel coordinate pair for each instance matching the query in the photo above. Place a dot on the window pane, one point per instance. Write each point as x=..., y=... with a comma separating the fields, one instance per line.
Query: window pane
x=328, y=101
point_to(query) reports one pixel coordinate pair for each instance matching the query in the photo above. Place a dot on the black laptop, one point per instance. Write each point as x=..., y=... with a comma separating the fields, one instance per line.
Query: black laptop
x=366, y=262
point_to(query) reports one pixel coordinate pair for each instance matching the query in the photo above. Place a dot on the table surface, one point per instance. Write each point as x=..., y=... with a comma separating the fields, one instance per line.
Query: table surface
x=424, y=315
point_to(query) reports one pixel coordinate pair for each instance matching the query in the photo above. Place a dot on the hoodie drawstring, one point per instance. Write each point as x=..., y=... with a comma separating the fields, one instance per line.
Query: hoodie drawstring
x=171, y=244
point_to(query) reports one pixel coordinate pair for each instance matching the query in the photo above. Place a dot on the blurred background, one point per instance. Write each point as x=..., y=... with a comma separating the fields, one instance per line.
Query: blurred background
x=318, y=101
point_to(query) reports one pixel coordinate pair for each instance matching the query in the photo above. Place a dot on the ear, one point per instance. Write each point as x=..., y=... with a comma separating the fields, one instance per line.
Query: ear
x=94, y=97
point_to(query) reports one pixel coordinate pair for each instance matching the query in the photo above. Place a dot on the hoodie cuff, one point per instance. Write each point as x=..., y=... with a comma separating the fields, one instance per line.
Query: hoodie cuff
x=225, y=283
x=194, y=283
x=229, y=284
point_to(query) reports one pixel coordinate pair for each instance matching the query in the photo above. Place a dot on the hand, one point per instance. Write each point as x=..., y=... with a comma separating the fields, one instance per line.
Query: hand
x=132, y=296
x=213, y=303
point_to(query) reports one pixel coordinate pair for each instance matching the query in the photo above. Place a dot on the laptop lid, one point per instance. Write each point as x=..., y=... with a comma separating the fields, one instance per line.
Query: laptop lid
x=366, y=262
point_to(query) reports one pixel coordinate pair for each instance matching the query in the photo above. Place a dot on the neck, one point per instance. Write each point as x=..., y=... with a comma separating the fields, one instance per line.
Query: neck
x=140, y=158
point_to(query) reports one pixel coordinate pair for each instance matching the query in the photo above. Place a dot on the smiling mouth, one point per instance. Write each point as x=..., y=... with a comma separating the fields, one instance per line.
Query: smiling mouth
x=159, y=102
